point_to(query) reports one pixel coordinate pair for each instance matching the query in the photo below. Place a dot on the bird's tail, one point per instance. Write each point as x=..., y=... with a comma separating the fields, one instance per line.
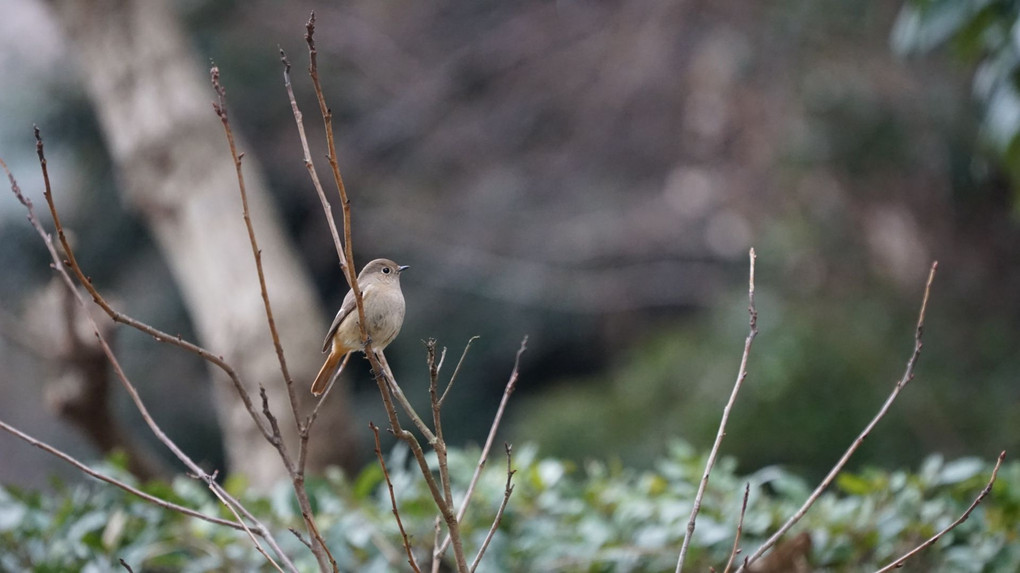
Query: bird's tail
x=329, y=370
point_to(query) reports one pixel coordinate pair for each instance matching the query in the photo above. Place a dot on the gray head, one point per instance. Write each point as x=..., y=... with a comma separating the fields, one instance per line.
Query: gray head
x=381, y=270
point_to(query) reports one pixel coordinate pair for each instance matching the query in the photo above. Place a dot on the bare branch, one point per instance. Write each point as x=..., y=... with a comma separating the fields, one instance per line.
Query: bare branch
x=383, y=377
x=439, y=444
x=344, y=249
x=445, y=509
x=388, y=388
x=298, y=119
x=114, y=481
x=740, y=528
x=405, y=404
x=457, y=369
x=511, y=385
x=741, y=376
x=221, y=111
x=300, y=537
x=499, y=513
x=435, y=545
x=931, y=541
x=231, y=506
x=393, y=500
x=346, y=256
x=319, y=548
x=908, y=375
x=115, y=315
x=125, y=382
x=273, y=423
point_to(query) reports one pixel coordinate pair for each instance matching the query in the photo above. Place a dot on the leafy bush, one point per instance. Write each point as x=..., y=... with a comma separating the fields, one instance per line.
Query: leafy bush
x=562, y=517
x=983, y=32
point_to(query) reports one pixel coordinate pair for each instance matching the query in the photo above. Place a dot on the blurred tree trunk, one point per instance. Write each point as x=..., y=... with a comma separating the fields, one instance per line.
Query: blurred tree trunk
x=172, y=159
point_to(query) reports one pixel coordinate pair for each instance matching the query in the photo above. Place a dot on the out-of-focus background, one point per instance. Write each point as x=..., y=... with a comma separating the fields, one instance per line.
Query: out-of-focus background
x=590, y=175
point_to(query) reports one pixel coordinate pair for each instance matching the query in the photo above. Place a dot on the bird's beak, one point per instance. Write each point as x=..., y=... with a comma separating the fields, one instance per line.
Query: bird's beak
x=403, y=268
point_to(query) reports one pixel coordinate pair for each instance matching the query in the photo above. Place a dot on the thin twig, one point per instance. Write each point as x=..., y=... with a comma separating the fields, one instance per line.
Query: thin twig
x=499, y=513
x=305, y=429
x=435, y=545
x=457, y=369
x=125, y=382
x=398, y=394
x=345, y=254
x=300, y=537
x=319, y=549
x=258, y=546
x=393, y=499
x=383, y=377
x=740, y=528
x=240, y=507
x=116, y=316
x=126, y=566
x=115, y=482
x=309, y=165
x=511, y=385
x=439, y=445
x=220, y=107
x=741, y=376
x=442, y=359
x=445, y=509
x=346, y=259
x=273, y=422
x=908, y=375
x=981, y=496
x=452, y=525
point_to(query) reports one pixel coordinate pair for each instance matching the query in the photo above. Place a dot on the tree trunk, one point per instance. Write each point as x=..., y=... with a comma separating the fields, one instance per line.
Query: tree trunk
x=154, y=106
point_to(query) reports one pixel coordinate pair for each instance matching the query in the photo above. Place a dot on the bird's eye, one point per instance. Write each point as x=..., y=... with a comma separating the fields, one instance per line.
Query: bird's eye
x=386, y=270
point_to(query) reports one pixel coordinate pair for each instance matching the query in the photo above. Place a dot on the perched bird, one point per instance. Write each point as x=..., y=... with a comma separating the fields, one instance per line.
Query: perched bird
x=379, y=282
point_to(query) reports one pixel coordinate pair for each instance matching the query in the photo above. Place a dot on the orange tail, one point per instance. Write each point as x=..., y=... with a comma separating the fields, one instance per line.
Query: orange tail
x=326, y=374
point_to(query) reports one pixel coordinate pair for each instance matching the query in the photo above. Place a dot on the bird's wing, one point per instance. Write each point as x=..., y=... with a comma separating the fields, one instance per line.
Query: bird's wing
x=346, y=308
x=341, y=314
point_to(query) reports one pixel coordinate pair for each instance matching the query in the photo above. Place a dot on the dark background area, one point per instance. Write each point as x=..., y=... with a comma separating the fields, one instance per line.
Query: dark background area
x=591, y=175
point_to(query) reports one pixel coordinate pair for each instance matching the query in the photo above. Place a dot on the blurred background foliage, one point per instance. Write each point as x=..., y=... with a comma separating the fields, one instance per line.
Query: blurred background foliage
x=592, y=175
x=985, y=33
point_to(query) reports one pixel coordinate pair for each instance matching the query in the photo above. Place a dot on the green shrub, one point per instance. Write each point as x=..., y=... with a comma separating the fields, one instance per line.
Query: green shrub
x=562, y=517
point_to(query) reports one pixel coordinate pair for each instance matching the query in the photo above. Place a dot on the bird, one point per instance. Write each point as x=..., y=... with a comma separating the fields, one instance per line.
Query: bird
x=379, y=283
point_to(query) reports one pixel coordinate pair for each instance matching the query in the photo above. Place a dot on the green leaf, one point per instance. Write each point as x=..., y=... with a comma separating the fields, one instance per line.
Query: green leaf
x=854, y=484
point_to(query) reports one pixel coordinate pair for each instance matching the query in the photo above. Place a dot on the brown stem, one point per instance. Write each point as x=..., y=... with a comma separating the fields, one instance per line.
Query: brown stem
x=511, y=385
x=383, y=377
x=456, y=370
x=121, y=376
x=740, y=528
x=122, y=318
x=741, y=376
x=509, y=489
x=981, y=496
x=908, y=375
x=326, y=560
x=115, y=482
x=309, y=165
x=393, y=499
x=439, y=444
